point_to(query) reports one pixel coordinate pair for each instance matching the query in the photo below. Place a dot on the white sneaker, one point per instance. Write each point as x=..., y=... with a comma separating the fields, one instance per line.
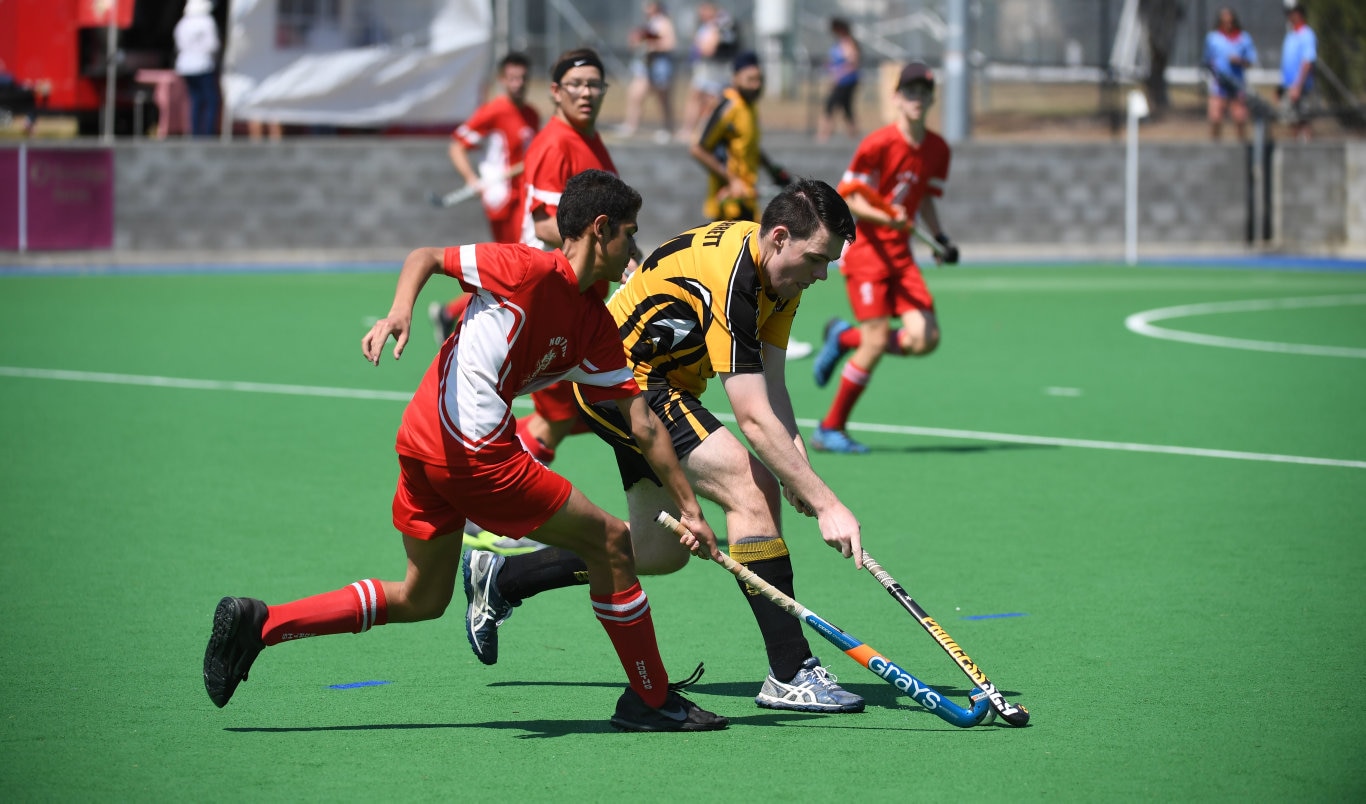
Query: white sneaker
x=796, y=350
x=811, y=690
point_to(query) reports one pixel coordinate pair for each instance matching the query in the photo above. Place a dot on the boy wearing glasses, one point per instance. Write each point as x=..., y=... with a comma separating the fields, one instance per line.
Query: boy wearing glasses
x=897, y=172
x=568, y=145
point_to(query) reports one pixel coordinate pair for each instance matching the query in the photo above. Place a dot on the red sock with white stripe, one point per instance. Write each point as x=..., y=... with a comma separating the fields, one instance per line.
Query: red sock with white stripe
x=853, y=381
x=345, y=611
x=625, y=616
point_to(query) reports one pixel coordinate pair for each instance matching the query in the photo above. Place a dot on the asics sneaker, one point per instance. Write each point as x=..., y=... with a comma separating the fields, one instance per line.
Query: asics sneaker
x=827, y=440
x=831, y=351
x=233, y=645
x=677, y=713
x=811, y=690
x=487, y=609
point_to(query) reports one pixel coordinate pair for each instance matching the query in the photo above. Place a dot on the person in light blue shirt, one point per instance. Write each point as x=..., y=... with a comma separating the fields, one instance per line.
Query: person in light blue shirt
x=1228, y=53
x=1298, y=54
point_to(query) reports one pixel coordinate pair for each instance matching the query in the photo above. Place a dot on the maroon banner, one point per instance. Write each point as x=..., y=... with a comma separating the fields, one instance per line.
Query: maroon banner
x=70, y=199
x=9, y=199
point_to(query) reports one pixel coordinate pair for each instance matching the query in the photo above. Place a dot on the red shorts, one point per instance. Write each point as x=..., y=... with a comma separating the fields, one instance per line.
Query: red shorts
x=556, y=403
x=888, y=295
x=512, y=498
x=506, y=230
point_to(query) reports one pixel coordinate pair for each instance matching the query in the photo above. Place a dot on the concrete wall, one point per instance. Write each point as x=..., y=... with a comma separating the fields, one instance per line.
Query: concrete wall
x=369, y=194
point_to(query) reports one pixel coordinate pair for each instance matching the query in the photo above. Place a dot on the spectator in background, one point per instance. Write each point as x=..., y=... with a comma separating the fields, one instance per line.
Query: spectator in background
x=258, y=129
x=714, y=44
x=652, y=72
x=842, y=65
x=1298, y=54
x=196, y=44
x=1228, y=53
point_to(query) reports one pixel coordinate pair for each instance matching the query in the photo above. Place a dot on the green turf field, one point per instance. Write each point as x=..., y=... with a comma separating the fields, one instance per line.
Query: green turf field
x=1182, y=528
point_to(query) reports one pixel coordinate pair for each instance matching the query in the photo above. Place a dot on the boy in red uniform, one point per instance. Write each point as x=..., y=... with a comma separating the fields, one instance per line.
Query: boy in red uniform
x=503, y=127
x=896, y=173
x=533, y=319
x=569, y=144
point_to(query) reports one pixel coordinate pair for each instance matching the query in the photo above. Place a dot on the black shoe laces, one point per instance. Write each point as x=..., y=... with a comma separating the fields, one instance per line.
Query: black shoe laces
x=692, y=679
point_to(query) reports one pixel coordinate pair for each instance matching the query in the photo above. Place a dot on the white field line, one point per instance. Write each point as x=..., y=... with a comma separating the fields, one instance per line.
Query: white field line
x=1141, y=324
x=932, y=432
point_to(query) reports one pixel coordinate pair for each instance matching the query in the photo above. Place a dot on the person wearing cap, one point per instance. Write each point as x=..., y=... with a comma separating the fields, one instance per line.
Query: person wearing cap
x=1299, y=51
x=897, y=172
x=729, y=147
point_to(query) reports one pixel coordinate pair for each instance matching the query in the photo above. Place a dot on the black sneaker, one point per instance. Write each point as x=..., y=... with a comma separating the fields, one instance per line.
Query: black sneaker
x=677, y=713
x=233, y=645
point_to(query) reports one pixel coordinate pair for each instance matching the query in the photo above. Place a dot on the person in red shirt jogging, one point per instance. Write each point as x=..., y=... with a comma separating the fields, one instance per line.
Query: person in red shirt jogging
x=533, y=318
x=568, y=145
x=503, y=127
x=897, y=172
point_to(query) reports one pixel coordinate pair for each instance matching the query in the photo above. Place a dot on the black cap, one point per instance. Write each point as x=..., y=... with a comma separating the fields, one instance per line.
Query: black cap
x=915, y=71
x=746, y=59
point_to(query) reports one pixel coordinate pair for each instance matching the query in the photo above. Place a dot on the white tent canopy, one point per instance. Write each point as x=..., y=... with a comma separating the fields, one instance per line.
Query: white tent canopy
x=356, y=62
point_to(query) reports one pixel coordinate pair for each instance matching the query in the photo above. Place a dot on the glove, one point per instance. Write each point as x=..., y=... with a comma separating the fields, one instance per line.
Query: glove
x=780, y=177
x=950, y=250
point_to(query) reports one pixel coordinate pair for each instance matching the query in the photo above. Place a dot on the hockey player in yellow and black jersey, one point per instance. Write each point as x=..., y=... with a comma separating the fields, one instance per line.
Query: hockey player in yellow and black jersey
x=729, y=147
x=718, y=302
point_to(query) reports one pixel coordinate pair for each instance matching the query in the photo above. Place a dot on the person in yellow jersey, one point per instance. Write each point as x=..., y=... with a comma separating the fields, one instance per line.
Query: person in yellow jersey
x=717, y=301
x=729, y=147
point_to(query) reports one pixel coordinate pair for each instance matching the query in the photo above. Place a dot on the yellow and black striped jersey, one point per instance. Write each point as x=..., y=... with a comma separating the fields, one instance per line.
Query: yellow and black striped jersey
x=732, y=133
x=697, y=307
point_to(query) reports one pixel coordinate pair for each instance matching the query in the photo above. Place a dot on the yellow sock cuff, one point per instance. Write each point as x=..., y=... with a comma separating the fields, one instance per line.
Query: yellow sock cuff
x=747, y=552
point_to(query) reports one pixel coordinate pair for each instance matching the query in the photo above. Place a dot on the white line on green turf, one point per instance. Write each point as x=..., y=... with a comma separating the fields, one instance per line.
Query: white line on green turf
x=897, y=429
x=1141, y=324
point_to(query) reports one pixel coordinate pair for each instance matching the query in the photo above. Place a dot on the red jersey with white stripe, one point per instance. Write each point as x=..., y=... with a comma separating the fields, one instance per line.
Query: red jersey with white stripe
x=556, y=154
x=505, y=131
x=527, y=326
x=902, y=174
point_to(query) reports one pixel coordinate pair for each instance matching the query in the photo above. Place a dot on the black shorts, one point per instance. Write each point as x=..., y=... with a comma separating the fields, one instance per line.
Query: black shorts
x=683, y=414
x=841, y=97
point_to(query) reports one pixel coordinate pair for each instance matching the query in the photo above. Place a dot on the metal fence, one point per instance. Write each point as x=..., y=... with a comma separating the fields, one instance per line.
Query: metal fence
x=1075, y=34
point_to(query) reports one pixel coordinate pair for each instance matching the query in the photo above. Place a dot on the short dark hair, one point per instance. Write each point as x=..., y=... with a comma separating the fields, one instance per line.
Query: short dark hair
x=514, y=58
x=804, y=206
x=1298, y=8
x=590, y=194
x=840, y=26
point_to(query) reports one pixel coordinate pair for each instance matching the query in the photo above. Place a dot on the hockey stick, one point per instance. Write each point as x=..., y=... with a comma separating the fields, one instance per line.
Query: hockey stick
x=880, y=666
x=467, y=192
x=871, y=196
x=1010, y=713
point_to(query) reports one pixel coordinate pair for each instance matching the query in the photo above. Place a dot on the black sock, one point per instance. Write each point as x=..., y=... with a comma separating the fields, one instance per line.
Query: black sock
x=783, y=638
x=532, y=573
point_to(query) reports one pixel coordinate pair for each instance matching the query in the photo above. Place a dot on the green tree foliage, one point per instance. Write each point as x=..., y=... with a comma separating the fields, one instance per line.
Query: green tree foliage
x=1340, y=26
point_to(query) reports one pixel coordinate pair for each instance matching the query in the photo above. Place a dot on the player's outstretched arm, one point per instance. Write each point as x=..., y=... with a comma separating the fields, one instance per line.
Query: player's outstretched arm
x=658, y=449
x=416, y=270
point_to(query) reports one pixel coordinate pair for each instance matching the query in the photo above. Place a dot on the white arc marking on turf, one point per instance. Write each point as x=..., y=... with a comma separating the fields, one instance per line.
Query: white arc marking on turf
x=1141, y=324
x=932, y=432
x=1057, y=390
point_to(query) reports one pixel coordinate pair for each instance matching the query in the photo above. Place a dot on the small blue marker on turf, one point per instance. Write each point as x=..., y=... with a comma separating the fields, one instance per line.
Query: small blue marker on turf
x=995, y=616
x=356, y=684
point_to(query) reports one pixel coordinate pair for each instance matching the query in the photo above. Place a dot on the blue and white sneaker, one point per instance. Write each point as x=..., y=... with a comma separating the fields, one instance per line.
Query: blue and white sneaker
x=487, y=610
x=824, y=440
x=831, y=352
x=811, y=690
